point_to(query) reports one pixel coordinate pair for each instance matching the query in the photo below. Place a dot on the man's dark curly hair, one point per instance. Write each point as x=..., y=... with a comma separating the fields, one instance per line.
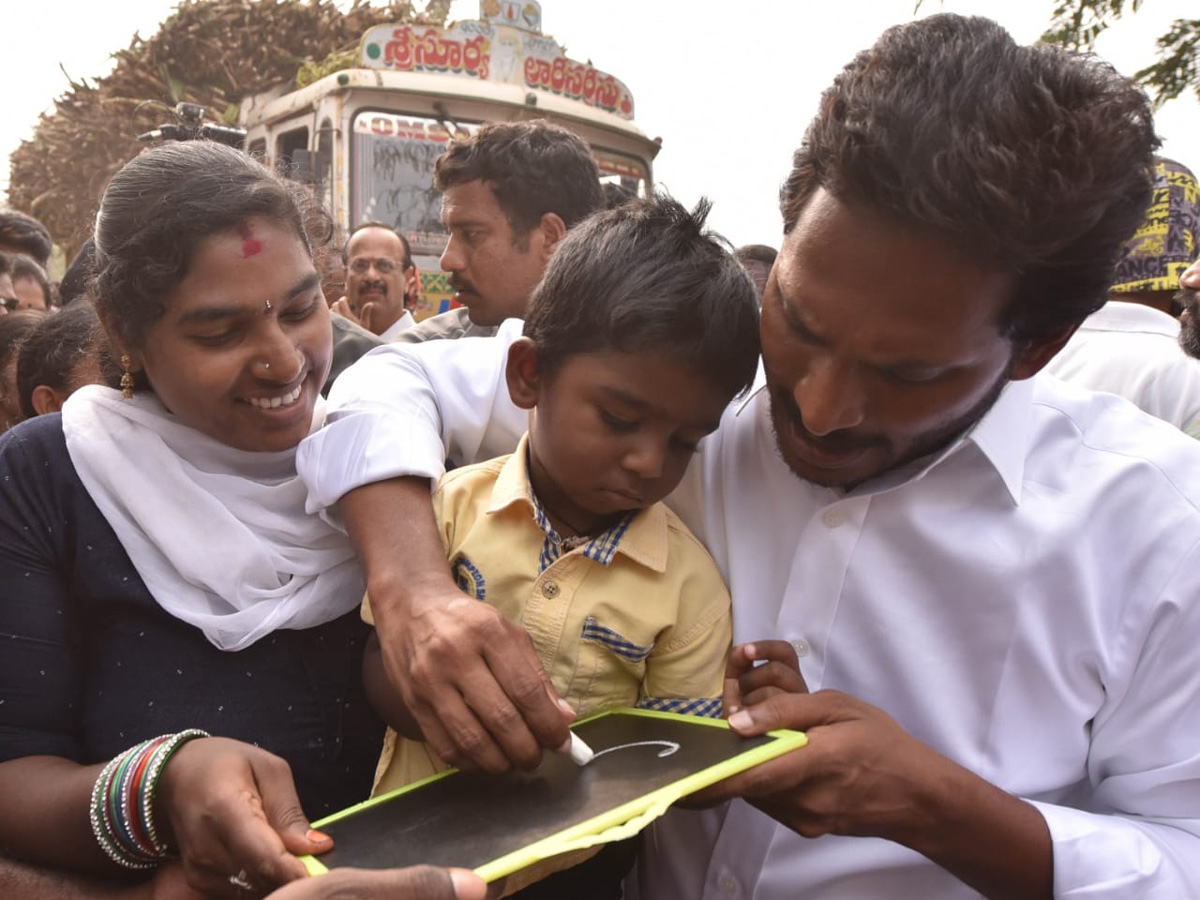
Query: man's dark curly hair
x=532, y=168
x=1031, y=159
x=161, y=205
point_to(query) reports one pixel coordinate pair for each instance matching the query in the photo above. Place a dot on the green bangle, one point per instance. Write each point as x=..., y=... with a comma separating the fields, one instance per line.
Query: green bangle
x=123, y=796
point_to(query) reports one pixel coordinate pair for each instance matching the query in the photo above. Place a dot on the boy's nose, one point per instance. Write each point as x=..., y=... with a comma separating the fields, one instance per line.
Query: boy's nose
x=645, y=459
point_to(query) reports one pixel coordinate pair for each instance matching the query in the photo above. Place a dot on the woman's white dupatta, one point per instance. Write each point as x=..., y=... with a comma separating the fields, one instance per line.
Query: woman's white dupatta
x=219, y=535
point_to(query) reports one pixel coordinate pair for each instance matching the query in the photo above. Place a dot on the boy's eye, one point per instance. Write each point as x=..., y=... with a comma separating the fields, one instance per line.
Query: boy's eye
x=616, y=422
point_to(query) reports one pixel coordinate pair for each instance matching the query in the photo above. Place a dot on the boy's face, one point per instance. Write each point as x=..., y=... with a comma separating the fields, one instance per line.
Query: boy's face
x=612, y=431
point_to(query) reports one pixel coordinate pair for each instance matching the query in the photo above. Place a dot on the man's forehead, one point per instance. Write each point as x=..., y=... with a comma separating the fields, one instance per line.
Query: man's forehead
x=373, y=235
x=471, y=200
x=840, y=257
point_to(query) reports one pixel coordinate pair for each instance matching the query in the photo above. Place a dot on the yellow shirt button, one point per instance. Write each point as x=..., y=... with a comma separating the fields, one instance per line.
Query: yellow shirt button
x=550, y=589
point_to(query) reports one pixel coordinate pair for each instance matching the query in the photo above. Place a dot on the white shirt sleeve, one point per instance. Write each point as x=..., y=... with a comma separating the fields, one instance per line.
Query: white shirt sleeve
x=1140, y=836
x=404, y=409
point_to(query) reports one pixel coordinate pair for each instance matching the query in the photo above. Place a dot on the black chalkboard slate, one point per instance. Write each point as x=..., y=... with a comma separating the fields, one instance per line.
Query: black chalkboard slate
x=491, y=823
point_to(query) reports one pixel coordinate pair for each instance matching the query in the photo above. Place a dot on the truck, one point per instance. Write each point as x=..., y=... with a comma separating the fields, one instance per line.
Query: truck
x=366, y=137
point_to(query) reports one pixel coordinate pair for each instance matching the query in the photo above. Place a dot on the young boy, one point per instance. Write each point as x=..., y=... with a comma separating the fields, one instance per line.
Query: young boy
x=641, y=332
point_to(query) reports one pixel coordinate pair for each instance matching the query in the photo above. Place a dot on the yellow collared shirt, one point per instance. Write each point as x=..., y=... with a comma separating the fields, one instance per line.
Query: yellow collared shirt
x=637, y=616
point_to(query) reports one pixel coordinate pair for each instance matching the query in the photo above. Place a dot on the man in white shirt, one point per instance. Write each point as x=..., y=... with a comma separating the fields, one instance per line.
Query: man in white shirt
x=509, y=194
x=988, y=577
x=381, y=280
x=1130, y=346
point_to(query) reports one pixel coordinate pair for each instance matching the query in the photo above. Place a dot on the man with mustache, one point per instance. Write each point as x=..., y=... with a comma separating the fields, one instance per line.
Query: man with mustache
x=987, y=577
x=381, y=280
x=509, y=194
x=1131, y=346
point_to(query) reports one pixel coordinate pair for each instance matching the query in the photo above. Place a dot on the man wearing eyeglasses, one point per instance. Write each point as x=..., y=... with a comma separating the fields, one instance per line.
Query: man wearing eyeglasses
x=381, y=280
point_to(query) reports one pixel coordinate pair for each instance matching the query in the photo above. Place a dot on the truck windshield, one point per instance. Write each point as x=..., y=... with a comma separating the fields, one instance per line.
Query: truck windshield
x=393, y=159
x=391, y=181
x=627, y=171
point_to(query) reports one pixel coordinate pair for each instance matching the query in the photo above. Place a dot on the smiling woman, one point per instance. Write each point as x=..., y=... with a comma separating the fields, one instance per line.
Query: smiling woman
x=158, y=572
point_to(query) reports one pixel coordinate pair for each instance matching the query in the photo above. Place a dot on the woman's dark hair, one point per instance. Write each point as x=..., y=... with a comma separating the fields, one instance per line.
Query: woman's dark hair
x=1032, y=160
x=162, y=204
x=52, y=350
x=14, y=328
x=648, y=276
x=74, y=284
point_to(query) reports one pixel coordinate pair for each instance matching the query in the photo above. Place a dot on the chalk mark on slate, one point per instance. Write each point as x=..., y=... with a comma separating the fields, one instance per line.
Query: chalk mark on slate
x=669, y=748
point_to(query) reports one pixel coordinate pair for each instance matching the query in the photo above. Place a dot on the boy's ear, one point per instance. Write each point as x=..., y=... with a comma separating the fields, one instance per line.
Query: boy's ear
x=553, y=229
x=522, y=373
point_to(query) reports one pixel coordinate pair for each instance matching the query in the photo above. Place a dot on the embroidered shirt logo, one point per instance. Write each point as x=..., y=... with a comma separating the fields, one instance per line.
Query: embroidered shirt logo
x=468, y=578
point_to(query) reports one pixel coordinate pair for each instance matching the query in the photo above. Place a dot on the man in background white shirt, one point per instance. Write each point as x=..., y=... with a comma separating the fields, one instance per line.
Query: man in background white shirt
x=1130, y=346
x=382, y=283
x=989, y=577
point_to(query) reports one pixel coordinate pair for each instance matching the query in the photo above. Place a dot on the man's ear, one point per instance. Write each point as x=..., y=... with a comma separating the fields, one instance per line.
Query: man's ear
x=1036, y=353
x=553, y=229
x=412, y=287
x=46, y=399
x=522, y=373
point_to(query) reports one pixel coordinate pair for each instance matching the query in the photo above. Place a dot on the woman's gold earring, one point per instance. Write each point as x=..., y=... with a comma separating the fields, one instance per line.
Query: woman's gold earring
x=126, y=378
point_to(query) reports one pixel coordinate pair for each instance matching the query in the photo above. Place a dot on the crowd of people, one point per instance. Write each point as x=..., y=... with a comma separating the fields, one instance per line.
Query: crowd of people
x=923, y=483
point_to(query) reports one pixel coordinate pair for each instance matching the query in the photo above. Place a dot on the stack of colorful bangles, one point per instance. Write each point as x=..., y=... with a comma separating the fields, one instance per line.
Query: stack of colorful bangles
x=123, y=801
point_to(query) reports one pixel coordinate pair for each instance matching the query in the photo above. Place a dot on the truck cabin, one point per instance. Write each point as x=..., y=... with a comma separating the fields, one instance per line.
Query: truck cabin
x=366, y=138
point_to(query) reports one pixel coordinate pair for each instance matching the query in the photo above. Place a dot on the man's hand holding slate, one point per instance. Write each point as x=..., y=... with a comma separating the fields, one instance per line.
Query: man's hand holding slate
x=861, y=774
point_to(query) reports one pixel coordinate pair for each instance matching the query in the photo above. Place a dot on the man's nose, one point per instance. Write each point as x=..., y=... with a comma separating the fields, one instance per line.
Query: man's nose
x=829, y=397
x=452, y=259
x=1191, y=277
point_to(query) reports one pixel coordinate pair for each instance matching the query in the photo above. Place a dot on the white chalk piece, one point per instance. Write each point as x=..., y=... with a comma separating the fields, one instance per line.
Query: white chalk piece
x=581, y=753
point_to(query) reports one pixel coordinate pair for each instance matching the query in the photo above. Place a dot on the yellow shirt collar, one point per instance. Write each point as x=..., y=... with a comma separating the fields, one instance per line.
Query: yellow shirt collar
x=644, y=542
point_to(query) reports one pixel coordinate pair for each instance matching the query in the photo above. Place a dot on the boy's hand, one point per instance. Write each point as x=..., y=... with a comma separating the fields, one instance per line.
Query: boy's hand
x=748, y=684
x=472, y=680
